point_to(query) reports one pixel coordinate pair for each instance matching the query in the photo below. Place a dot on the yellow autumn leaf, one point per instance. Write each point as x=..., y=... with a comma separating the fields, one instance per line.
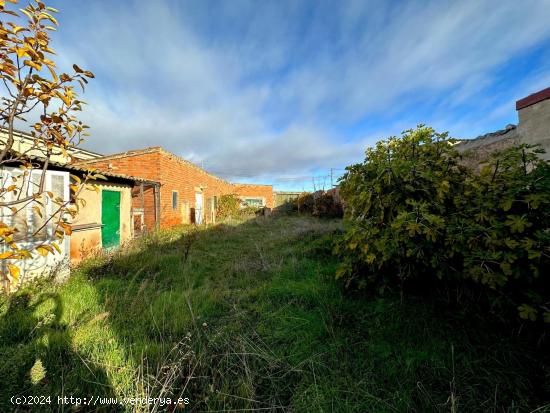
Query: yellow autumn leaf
x=5, y=231
x=50, y=18
x=25, y=254
x=21, y=52
x=32, y=64
x=6, y=255
x=37, y=210
x=43, y=250
x=14, y=271
x=18, y=29
x=52, y=72
x=26, y=13
x=56, y=247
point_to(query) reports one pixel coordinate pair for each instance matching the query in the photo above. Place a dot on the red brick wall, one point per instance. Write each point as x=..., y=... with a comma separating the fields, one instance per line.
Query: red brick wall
x=176, y=174
x=186, y=178
x=144, y=165
x=264, y=191
x=148, y=204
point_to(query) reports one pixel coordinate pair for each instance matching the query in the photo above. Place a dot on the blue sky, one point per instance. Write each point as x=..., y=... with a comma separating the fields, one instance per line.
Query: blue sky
x=280, y=91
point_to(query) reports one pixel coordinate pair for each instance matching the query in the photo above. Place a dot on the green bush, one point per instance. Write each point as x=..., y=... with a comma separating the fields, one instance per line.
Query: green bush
x=415, y=216
x=250, y=211
x=231, y=206
x=228, y=207
x=325, y=205
x=304, y=203
x=320, y=204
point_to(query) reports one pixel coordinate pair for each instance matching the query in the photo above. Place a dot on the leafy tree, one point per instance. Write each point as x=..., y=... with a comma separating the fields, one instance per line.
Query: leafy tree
x=33, y=87
x=416, y=216
x=503, y=230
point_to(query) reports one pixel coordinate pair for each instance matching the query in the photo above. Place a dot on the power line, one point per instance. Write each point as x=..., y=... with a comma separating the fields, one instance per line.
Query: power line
x=317, y=181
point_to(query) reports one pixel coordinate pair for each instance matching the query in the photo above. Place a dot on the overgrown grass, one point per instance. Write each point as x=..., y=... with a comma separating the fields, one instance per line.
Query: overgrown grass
x=249, y=318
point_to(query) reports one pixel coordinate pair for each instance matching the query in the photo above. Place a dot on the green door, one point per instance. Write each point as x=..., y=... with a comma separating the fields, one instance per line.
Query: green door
x=110, y=218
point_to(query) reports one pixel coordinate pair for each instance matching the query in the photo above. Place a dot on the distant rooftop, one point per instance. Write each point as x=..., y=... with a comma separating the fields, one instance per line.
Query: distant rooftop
x=533, y=98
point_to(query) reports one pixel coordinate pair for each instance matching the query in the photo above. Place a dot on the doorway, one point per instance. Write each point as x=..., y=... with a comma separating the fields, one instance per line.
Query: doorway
x=198, y=208
x=110, y=218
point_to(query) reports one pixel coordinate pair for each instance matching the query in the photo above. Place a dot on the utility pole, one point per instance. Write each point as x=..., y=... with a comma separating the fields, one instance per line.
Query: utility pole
x=331, y=185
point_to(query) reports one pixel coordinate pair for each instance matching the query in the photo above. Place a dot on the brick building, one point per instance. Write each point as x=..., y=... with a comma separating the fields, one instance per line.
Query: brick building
x=255, y=195
x=187, y=193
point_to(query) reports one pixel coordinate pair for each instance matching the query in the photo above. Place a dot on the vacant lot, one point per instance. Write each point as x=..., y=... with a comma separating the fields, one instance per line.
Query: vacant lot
x=249, y=317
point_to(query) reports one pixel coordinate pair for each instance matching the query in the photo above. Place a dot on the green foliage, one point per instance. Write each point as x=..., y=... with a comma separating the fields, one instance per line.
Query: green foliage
x=320, y=204
x=38, y=372
x=249, y=318
x=414, y=215
x=250, y=212
x=326, y=205
x=304, y=203
x=228, y=207
x=231, y=206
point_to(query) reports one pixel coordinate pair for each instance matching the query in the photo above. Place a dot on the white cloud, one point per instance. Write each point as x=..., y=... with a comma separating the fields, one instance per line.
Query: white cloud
x=256, y=90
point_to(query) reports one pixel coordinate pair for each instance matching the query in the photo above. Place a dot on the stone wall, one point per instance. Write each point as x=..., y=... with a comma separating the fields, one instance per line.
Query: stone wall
x=477, y=151
x=534, y=125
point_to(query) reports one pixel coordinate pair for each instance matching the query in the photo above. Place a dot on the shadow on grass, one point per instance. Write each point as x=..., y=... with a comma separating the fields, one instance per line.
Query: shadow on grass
x=39, y=358
x=249, y=317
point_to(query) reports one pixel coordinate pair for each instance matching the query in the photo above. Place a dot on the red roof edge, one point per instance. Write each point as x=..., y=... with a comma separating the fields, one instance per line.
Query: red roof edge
x=534, y=98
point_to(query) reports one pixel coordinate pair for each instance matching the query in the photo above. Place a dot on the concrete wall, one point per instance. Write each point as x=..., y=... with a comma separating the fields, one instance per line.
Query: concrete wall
x=534, y=125
x=283, y=198
x=87, y=240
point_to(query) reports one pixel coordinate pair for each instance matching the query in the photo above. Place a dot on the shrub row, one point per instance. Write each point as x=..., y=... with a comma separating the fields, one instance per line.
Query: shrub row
x=321, y=204
x=416, y=216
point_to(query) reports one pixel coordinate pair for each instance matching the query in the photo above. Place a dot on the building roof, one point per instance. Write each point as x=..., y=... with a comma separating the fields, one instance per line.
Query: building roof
x=150, y=149
x=248, y=184
x=75, y=150
x=533, y=98
x=79, y=169
x=76, y=168
x=133, y=152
